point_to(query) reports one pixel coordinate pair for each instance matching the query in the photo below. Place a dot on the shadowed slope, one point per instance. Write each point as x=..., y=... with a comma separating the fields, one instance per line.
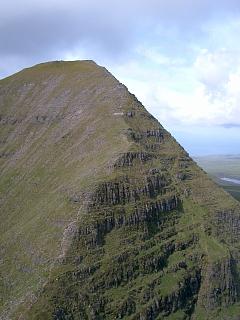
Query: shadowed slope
x=103, y=207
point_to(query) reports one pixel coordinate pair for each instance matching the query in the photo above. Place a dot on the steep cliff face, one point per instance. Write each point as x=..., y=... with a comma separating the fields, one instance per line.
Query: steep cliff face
x=104, y=215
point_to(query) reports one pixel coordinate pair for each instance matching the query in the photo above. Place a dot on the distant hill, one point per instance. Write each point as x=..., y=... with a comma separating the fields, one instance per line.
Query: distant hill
x=225, y=170
x=103, y=214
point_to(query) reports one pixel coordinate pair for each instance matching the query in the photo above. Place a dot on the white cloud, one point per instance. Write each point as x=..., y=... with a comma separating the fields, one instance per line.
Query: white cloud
x=213, y=69
x=154, y=55
x=204, y=92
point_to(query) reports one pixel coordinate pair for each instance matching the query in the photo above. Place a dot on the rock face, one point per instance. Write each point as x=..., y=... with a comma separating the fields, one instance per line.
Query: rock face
x=103, y=214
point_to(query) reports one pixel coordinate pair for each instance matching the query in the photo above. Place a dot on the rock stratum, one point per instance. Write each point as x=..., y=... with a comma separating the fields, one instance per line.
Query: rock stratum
x=103, y=214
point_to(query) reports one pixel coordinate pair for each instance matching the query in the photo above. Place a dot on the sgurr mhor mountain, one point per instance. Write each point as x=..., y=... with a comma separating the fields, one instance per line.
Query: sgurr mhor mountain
x=103, y=214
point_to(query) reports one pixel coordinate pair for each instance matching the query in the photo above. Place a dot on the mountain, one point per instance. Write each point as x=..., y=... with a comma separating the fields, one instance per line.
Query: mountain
x=103, y=214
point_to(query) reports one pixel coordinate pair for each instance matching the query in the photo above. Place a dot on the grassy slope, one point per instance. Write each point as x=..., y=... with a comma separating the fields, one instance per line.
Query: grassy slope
x=190, y=222
x=195, y=218
x=46, y=165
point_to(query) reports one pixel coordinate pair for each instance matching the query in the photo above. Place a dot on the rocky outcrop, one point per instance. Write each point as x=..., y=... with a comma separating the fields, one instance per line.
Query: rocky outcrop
x=156, y=134
x=227, y=225
x=114, y=193
x=220, y=283
x=46, y=119
x=6, y=155
x=128, y=158
x=9, y=120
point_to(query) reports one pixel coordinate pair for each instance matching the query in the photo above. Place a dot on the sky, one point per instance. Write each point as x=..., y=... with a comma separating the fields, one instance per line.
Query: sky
x=181, y=58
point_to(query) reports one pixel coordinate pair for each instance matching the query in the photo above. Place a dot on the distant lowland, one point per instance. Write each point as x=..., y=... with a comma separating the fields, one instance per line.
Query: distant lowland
x=224, y=169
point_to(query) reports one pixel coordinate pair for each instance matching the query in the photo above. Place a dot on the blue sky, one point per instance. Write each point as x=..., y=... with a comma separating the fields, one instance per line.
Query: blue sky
x=180, y=58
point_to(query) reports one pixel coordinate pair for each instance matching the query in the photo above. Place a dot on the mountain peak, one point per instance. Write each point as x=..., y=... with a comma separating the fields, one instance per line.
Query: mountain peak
x=62, y=63
x=103, y=214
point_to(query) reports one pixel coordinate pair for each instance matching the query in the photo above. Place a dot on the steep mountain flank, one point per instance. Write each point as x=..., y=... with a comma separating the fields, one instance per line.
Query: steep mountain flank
x=103, y=214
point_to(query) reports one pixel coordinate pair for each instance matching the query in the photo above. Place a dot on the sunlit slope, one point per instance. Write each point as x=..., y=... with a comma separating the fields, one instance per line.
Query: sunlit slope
x=104, y=215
